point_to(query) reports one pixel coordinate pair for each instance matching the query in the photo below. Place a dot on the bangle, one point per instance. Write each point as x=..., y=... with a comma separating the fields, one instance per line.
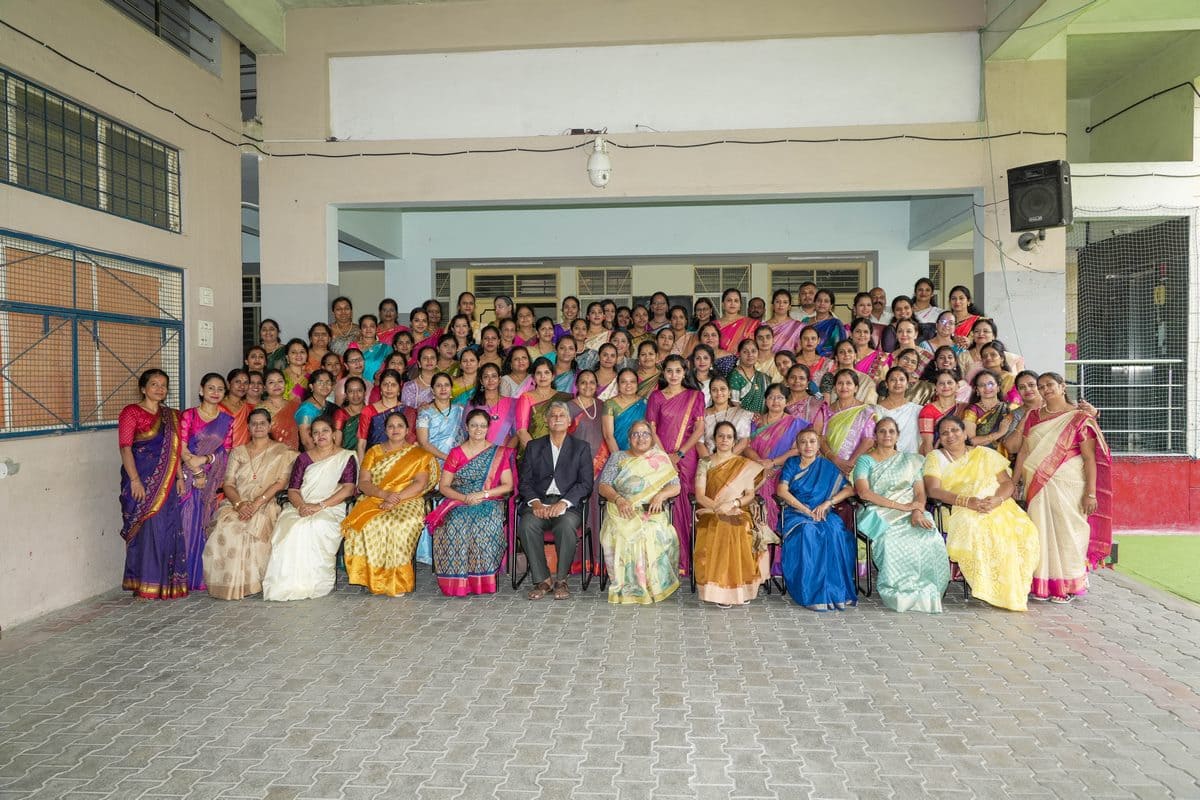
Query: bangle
x=485, y=494
x=1090, y=496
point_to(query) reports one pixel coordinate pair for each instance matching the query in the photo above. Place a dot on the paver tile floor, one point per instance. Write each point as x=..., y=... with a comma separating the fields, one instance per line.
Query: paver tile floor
x=355, y=696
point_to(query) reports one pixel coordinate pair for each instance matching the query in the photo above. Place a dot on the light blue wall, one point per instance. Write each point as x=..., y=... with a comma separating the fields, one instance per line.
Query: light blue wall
x=629, y=232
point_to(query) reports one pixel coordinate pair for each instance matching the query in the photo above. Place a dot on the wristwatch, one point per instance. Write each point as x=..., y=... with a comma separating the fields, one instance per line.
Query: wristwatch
x=679, y=453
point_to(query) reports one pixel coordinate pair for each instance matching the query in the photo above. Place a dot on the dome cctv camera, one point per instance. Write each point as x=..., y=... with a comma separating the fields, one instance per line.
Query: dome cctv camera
x=599, y=165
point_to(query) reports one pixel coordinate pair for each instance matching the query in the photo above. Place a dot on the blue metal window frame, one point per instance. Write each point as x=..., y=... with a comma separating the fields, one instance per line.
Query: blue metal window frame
x=76, y=315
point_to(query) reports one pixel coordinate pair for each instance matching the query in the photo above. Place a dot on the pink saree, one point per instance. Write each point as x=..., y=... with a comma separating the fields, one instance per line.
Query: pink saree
x=675, y=420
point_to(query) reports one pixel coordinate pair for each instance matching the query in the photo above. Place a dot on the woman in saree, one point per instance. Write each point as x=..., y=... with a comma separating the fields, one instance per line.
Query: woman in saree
x=985, y=332
x=626, y=355
x=904, y=414
x=924, y=310
x=343, y=327
x=597, y=334
x=375, y=352
x=992, y=540
x=723, y=360
x=647, y=368
x=355, y=364
x=345, y=418
x=830, y=330
x=1031, y=400
x=944, y=404
x=371, y=418
x=721, y=408
x=639, y=325
x=844, y=359
x=489, y=347
x=440, y=424
x=527, y=334
x=906, y=339
x=764, y=340
x=817, y=365
x=587, y=423
x=910, y=360
x=605, y=372
x=818, y=550
x=447, y=354
x=501, y=410
x=533, y=405
x=389, y=321
x=965, y=315
x=418, y=325
x=641, y=547
x=543, y=345
x=319, y=337
x=316, y=404
x=786, y=330
x=383, y=528
x=256, y=389
x=273, y=349
x=901, y=310
x=516, y=380
x=237, y=550
x=151, y=525
x=462, y=328
x=987, y=418
x=308, y=532
x=946, y=360
x=564, y=365
x=748, y=385
x=664, y=342
x=701, y=363
x=703, y=312
x=1065, y=466
x=772, y=443
x=685, y=341
x=994, y=358
x=417, y=391
x=295, y=375
x=622, y=411
x=256, y=359
x=463, y=386
x=804, y=401
x=850, y=430
x=943, y=335
x=238, y=381
x=206, y=431
x=731, y=552
x=867, y=359
x=734, y=327
x=907, y=548
x=675, y=412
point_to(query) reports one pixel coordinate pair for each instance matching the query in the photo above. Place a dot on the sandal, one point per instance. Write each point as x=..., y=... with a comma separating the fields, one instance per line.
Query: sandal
x=560, y=591
x=540, y=590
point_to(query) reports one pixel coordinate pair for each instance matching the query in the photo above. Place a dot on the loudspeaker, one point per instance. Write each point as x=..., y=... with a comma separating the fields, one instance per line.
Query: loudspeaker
x=1039, y=196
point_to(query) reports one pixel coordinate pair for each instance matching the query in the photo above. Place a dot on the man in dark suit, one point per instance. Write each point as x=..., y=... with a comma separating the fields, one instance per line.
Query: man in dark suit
x=555, y=477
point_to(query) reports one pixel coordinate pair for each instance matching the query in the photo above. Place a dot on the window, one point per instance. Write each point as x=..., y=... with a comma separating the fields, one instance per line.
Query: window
x=536, y=287
x=711, y=282
x=55, y=147
x=937, y=275
x=844, y=278
x=251, y=309
x=441, y=285
x=604, y=283
x=181, y=25
x=77, y=328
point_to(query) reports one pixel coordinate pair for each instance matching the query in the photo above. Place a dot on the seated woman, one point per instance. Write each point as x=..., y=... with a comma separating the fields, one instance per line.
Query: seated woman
x=382, y=529
x=907, y=547
x=641, y=547
x=1065, y=465
x=993, y=541
x=468, y=526
x=239, y=545
x=731, y=550
x=818, y=552
x=307, y=534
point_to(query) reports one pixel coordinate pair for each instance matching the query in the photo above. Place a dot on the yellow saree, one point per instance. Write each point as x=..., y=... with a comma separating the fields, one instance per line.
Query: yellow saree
x=729, y=564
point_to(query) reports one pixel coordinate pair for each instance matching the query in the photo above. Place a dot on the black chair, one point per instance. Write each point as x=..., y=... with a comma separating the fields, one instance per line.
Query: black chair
x=854, y=503
x=583, y=547
x=602, y=512
x=938, y=509
x=777, y=579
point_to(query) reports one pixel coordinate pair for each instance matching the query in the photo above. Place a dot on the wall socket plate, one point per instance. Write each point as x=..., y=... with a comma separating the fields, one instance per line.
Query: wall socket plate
x=206, y=296
x=205, y=337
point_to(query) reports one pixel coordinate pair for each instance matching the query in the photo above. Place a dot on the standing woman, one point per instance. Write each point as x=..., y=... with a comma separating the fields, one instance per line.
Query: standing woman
x=236, y=552
x=965, y=315
x=294, y=375
x=802, y=402
x=772, y=443
x=206, y=431
x=319, y=337
x=597, y=334
x=542, y=345
x=464, y=385
x=626, y=357
x=994, y=359
x=664, y=343
x=807, y=355
x=317, y=404
x=734, y=327
x=283, y=410
x=702, y=369
x=867, y=359
x=533, y=405
x=355, y=365
x=924, y=310
x=418, y=323
x=946, y=360
x=605, y=372
x=389, y=321
x=403, y=346
x=419, y=391
x=383, y=528
x=256, y=389
x=439, y=424
x=508, y=335
x=345, y=418
x=276, y=353
x=906, y=339
x=944, y=404
x=943, y=335
x=992, y=540
x=1065, y=465
x=908, y=549
x=904, y=414
x=516, y=379
x=818, y=551
x=526, y=331
x=374, y=351
x=151, y=525
x=343, y=327
x=703, y=312
x=709, y=335
x=850, y=431
x=308, y=533
x=372, y=418
x=843, y=359
x=503, y=306
x=501, y=410
x=256, y=359
x=786, y=330
x=647, y=369
x=468, y=526
x=723, y=409
x=748, y=385
x=570, y=313
x=564, y=365
x=731, y=556
x=235, y=403
x=987, y=418
x=489, y=346
x=464, y=335
x=829, y=328
x=675, y=411
x=685, y=342
x=901, y=310
x=622, y=411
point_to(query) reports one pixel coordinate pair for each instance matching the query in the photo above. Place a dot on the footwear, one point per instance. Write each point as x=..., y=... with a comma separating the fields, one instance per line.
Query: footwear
x=1062, y=601
x=560, y=590
x=722, y=605
x=540, y=589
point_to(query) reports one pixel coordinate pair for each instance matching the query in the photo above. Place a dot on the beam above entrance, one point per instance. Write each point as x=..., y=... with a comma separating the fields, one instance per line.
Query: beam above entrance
x=1017, y=30
x=258, y=24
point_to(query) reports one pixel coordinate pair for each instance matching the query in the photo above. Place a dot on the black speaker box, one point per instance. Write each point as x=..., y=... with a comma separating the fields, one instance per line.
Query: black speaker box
x=1039, y=196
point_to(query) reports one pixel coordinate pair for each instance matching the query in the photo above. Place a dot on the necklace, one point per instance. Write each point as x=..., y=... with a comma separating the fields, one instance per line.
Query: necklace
x=594, y=411
x=445, y=414
x=255, y=467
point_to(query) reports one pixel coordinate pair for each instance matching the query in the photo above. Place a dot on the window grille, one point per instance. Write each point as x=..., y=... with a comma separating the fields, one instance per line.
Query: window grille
x=251, y=309
x=77, y=328
x=441, y=285
x=937, y=276
x=605, y=283
x=711, y=282
x=53, y=146
x=181, y=25
x=844, y=279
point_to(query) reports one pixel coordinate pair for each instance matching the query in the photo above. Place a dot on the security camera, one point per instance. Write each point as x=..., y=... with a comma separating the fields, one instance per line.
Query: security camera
x=599, y=165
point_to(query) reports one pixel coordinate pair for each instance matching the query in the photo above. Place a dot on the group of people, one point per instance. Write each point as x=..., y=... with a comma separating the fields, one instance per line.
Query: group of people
x=732, y=447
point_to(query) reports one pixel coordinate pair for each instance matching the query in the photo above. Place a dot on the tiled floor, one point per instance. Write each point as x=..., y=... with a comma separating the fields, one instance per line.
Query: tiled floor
x=357, y=696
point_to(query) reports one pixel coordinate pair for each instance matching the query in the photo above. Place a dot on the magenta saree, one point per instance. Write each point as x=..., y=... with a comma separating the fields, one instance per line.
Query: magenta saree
x=733, y=333
x=199, y=504
x=675, y=420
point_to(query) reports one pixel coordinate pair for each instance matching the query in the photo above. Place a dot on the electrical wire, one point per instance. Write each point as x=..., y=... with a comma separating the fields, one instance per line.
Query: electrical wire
x=1052, y=20
x=1131, y=106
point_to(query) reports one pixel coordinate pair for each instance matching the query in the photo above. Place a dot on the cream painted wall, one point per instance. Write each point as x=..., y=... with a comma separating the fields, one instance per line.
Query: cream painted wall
x=59, y=542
